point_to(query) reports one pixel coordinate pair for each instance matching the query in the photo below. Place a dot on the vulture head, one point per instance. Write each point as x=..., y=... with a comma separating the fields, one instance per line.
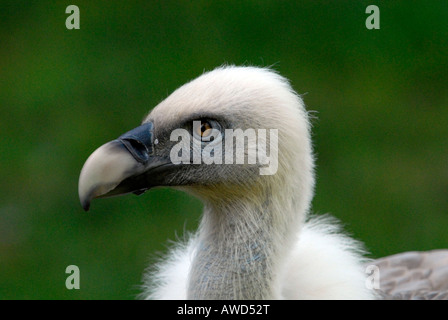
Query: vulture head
x=236, y=133
x=238, y=138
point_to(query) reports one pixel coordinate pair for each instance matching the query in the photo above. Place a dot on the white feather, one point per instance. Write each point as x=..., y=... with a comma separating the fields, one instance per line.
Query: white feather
x=323, y=264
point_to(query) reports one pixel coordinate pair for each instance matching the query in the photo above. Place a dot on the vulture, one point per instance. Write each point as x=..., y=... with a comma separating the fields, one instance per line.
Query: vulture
x=238, y=138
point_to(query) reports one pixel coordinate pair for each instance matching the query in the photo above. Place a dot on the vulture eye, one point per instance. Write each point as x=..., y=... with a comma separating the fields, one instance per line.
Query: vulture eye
x=206, y=130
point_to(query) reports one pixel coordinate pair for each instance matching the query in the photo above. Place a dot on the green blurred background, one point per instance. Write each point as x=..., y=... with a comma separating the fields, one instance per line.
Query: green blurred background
x=381, y=135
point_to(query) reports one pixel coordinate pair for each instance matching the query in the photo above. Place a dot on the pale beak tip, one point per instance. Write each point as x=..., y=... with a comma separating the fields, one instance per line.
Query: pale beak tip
x=104, y=170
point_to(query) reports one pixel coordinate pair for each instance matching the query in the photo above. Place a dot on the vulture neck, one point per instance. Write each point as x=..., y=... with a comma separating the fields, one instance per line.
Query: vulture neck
x=241, y=246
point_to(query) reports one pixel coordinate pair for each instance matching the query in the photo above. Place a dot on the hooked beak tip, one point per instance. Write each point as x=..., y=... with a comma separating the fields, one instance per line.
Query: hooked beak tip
x=117, y=167
x=104, y=170
x=85, y=205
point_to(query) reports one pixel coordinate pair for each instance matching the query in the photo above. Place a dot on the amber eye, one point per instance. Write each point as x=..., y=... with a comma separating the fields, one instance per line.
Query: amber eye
x=205, y=129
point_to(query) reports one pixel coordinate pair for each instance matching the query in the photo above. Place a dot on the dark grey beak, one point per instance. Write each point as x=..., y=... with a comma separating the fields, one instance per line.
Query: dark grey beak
x=140, y=142
x=127, y=164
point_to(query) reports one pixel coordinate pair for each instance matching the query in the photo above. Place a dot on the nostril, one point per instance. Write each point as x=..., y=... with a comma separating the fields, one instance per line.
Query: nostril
x=139, y=142
x=138, y=150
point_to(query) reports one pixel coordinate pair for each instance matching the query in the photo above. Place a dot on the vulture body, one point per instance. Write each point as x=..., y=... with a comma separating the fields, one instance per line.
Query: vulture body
x=256, y=239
